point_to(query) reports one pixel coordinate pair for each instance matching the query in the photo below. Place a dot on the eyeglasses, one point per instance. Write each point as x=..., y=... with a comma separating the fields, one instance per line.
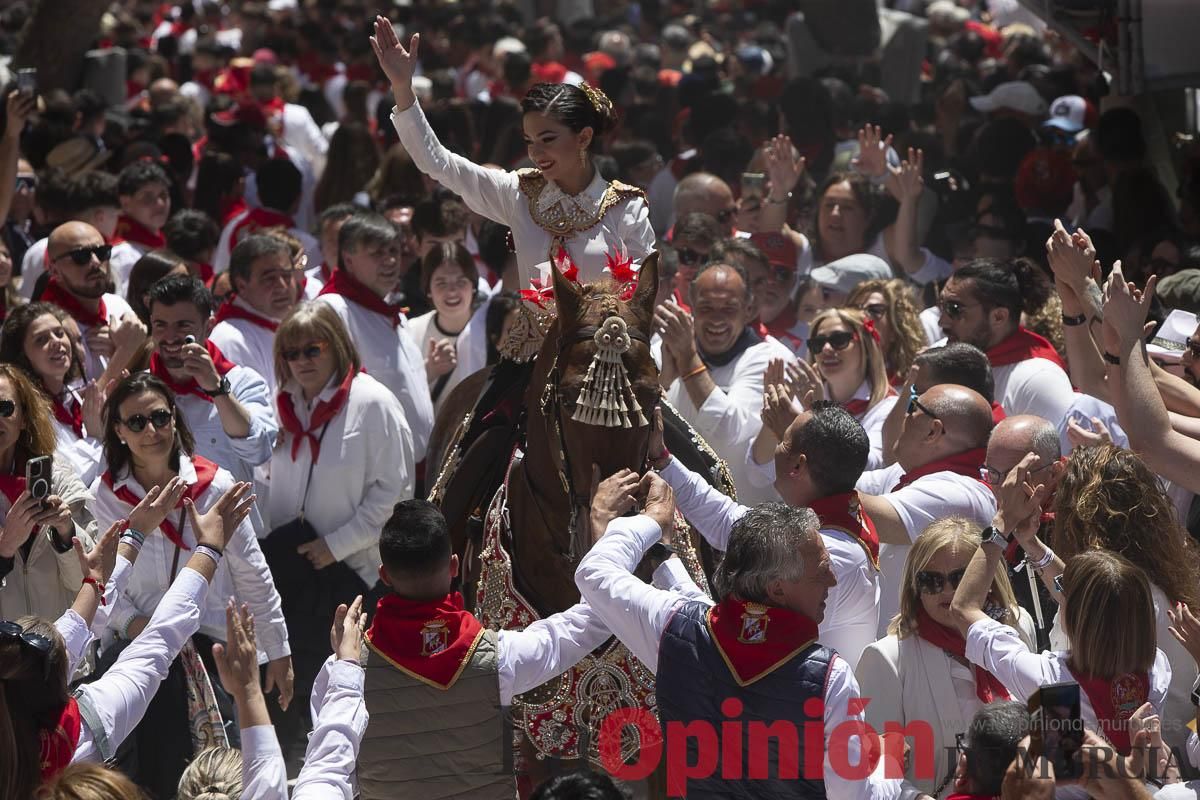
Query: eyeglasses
x=915, y=405
x=689, y=257
x=309, y=352
x=954, y=309
x=12, y=631
x=159, y=418
x=83, y=255
x=994, y=477
x=929, y=582
x=838, y=340
x=8, y=408
x=875, y=311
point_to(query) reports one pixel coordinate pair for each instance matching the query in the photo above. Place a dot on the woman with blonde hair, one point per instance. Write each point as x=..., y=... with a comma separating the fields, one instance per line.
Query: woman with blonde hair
x=919, y=671
x=893, y=308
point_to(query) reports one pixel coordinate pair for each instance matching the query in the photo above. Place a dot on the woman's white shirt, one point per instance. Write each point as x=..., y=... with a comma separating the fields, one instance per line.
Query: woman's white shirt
x=470, y=344
x=365, y=467
x=496, y=194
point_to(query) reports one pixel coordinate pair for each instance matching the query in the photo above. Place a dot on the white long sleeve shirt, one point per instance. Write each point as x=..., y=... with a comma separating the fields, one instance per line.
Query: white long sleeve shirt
x=549, y=647
x=242, y=573
x=113, y=705
x=624, y=229
x=248, y=345
x=638, y=614
x=390, y=357
x=730, y=417
x=852, y=609
x=225, y=244
x=366, y=466
x=239, y=455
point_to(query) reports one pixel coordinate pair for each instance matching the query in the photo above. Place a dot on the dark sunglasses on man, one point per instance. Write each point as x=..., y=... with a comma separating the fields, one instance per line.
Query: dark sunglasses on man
x=954, y=309
x=914, y=404
x=838, y=340
x=82, y=256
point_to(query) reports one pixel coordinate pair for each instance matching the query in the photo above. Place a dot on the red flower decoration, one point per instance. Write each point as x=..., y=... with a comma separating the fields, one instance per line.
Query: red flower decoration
x=869, y=325
x=562, y=260
x=623, y=273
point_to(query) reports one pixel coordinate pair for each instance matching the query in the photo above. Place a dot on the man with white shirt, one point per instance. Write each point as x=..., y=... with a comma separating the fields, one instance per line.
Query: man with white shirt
x=713, y=363
x=228, y=408
x=280, y=189
x=822, y=455
x=110, y=332
x=265, y=287
x=982, y=305
x=939, y=456
x=754, y=655
x=437, y=682
x=296, y=126
x=368, y=267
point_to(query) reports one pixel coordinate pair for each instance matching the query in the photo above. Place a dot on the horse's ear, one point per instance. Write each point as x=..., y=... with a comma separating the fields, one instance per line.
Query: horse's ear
x=567, y=295
x=647, y=286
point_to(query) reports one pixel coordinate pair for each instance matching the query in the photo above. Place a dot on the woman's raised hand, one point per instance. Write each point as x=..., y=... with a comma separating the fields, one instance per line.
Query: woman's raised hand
x=398, y=63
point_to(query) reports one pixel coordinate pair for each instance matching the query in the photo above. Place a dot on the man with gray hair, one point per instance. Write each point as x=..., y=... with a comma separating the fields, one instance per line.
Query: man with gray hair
x=752, y=655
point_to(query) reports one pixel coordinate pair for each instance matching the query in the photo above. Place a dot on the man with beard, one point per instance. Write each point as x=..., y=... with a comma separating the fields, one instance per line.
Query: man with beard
x=227, y=408
x=110, y=332
x=982, y=305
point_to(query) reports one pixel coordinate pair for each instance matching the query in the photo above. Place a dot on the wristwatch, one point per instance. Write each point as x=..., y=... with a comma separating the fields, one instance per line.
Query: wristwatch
x=993, y=535
x=222, y=388
x=1196, y=692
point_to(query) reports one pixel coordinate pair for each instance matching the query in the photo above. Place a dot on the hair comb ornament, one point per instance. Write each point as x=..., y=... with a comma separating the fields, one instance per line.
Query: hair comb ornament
x=599, y=100
x=607, y=397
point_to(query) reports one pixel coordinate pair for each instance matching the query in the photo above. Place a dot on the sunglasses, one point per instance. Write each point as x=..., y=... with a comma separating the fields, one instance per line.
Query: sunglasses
x=159, y=418
x=689, y=257
x=875, y=311
x=838, y=340
x=11, y=631
x=929, y=582
x=915, y=405
x=83, y=255
x=8, y=408
x=954, y=309
x=311, y=352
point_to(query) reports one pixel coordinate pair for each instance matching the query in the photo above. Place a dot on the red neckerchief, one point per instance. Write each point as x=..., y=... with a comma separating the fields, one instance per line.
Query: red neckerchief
x=857, y=406
x=206, y=471
x=844, y=512
x=781, y=326
x=159, y=370
x=58, y=743
x=431, y=641
x=134, y=232
x=1023, y=345
x=352, y=289
x=255, y=220
x=72, y=417
x=781, y=332
x=207, y=273
x=322, y=414
x=230, y=310
x=231, y=209
x=1114, y=702
x=987, y=686
x=754, y=640
x=548, y=72
x=998, y=414
x=13, y=484
x=326, y=272
x=55, y=294
x=681, y=301
x=966, y=463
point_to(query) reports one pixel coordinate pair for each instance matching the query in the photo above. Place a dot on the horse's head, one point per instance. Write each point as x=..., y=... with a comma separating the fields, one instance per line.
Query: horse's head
x=579, y=386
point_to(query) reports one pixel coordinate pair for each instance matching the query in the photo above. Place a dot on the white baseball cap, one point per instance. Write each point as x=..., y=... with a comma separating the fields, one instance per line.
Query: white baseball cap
x=846, y=273
x=1013, y=95
x=1172, y=337
x=1068, y=113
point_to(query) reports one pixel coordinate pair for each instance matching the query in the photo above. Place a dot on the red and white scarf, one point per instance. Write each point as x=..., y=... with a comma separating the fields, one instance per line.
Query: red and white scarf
x=130, y=230
x=844, y=512
x=966, y=463
x=355, y=291
x=1023, y=345
x=987, y=686
x=325, y=411
x=231, y=310
x=255, y=220
x=431, y=641
x=56, y=294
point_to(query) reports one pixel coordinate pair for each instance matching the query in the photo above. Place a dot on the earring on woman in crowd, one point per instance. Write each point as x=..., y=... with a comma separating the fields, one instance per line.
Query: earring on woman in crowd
x=583, y=156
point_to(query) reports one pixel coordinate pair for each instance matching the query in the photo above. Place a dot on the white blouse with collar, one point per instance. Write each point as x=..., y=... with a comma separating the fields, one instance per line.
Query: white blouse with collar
x=624, y=229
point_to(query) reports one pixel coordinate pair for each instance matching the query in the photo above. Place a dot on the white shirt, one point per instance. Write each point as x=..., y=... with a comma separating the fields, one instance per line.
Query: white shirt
x=242, y=573
x=93, y=364
x=390, y=357
x=301, y=131
x=928, y=498
x=624, y=229
x=121, y=260
x=366, y=466
x=84, y=453
x=248, y=345
x=638, y=614
x=729, y=420
x=931, y=321
x=872, y=421
x=1035, y=386
x=852, y=607
x=239, y=455
x=528, y=658
x=225, y=245
x=470, y=344
x=118, y=700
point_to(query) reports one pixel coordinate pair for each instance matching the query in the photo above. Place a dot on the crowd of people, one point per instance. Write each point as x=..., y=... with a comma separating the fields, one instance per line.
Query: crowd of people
x=921, y=288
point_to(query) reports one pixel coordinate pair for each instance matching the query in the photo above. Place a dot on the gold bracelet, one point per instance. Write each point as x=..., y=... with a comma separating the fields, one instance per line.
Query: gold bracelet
x=695, y=372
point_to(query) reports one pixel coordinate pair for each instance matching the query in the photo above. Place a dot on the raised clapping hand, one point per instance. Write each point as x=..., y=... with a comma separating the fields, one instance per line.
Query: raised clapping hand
x=346, y=636
x=777, y=411
x=1018, y=504
x=1079, y=436
x=784, y=166
x=1125, y=310
x=872, y=152
x=678, y=333
x=1072, y=258
x=1185, y=627
x=217, y=526
x=99, y=562
x=807, y=383
x=397, y=62
x=154, y=507
x=237, y=658
x=905, y=182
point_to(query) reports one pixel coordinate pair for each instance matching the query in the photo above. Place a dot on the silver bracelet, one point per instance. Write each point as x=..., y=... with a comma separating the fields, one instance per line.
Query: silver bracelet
x=1041, y=563
x=211, y=552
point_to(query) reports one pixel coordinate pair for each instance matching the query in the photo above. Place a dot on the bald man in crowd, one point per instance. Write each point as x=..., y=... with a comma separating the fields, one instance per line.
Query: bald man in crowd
x=77, y=260
x=940, y=453
x=708, y=194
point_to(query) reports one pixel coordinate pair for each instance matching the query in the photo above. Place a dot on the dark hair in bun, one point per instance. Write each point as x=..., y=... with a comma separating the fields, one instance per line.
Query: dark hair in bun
x=572, y=106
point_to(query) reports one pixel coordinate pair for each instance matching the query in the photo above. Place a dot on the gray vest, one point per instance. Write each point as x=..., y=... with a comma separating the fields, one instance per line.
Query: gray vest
x=430, y=743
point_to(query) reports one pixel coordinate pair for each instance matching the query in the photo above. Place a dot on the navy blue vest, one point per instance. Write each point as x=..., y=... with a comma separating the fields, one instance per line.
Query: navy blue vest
x=693, y=680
